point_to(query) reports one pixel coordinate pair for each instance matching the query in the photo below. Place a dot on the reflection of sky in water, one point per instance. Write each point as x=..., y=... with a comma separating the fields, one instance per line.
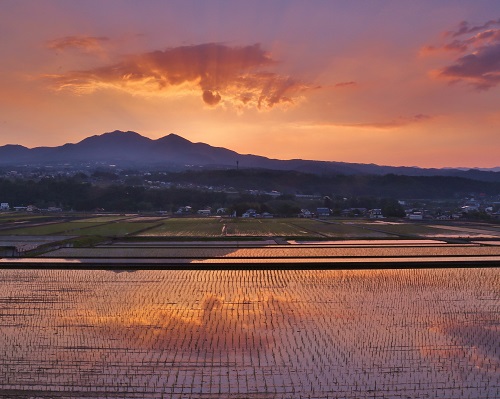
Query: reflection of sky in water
x=261, y=334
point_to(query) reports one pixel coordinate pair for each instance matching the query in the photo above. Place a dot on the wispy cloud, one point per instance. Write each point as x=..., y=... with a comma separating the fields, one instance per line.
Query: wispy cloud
x=378, y=125
x=85, y=43
x=218, y=72
x=346, y=84
x=393, y=123
x=479, y=49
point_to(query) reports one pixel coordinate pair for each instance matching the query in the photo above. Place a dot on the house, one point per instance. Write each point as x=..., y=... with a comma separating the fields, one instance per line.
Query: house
x=305, y=213
x=376, y=214
x=4, y=206
x=322, y=212
x=416, y=215
x=353, y=212
x=470, y=208
x=250, y=213
x=184, y=210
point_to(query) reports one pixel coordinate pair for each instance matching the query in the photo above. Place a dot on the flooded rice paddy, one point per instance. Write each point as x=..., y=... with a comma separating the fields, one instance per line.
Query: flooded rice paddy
x=250, y=334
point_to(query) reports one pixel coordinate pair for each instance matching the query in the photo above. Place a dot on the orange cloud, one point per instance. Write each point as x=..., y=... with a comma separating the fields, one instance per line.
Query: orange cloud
x=239, y=322
x=86, y=43
x=221, y=73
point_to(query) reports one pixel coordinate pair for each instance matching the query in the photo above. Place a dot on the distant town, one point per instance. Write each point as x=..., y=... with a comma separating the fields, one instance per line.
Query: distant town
x=247, y=193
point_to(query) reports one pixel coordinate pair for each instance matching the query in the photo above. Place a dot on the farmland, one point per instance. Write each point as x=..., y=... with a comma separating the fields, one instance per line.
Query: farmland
x=211, y=227
x=137, y=306
x=250, y=334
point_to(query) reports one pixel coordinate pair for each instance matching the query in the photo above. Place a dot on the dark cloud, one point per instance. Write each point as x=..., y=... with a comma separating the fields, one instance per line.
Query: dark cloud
x=210, y=98
x=464, y=28
x=220, y=72
x=481, y=68
x=479, y=47
x=346, y=84
x=87, y=43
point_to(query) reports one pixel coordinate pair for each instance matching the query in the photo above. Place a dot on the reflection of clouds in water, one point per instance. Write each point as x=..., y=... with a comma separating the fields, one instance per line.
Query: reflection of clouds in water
x=283, y=334
x=478, y=344
x=237, y=323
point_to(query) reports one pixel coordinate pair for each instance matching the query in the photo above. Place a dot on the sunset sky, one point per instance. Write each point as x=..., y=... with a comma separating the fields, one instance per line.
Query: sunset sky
x=413, y=83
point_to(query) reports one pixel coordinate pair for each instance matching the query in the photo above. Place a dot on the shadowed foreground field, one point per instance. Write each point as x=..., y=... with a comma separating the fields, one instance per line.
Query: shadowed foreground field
x=250, y=334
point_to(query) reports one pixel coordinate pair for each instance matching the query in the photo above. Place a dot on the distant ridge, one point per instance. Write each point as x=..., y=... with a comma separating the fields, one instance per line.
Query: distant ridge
x=124, y=148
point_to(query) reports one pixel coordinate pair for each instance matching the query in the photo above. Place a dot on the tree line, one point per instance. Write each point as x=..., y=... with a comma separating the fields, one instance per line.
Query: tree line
x=336, y=192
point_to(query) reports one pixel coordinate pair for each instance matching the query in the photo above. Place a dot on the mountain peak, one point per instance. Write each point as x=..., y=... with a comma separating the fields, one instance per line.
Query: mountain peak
x=115, y=136
x=121, y=134
x=172, y=149
x=174, y=139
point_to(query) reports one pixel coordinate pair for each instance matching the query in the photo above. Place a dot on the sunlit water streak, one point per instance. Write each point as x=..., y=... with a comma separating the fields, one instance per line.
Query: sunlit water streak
x=250, y=334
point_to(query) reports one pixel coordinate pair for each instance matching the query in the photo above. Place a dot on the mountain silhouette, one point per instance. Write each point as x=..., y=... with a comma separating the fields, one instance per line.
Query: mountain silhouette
x=124, y=148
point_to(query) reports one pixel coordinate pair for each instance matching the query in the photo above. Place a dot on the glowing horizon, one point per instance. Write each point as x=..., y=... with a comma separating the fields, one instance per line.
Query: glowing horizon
x=395, y=83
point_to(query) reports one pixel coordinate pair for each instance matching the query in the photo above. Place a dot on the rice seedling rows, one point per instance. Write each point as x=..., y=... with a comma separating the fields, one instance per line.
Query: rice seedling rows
x=192, y=227
x=212, y=227
x=250, y=334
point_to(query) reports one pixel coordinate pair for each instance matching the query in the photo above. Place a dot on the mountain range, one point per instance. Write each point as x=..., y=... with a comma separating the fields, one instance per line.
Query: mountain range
x=173, y=151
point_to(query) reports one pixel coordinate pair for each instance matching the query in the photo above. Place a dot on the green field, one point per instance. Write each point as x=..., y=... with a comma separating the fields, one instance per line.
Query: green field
x=117, y=229
x=80, y=228
x=265, y=228
x=66, y=228
x=15, y=217
x=403, y=229
x=337, y=229
x=187, y=227
x=211, y=228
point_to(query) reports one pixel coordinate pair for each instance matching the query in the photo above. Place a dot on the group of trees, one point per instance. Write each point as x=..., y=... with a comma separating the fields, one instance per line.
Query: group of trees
x=376, y=186
x=73, y=194
x=109, y=191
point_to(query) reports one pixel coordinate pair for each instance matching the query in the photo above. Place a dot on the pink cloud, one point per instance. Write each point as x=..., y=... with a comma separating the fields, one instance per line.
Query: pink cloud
x=395, y=123
x=86, y=43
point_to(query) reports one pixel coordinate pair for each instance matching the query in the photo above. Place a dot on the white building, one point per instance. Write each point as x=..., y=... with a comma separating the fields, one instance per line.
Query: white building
x=416, y=215
x=376, y=214
x=4, y=206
